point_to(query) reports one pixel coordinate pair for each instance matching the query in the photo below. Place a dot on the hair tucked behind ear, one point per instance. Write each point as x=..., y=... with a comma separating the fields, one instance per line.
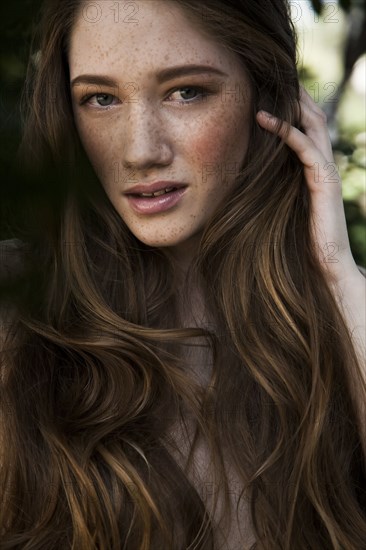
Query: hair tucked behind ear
x=91, y=375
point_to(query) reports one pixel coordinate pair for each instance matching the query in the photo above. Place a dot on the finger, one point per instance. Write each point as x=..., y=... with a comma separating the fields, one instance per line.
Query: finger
x=294, y=138
x=313, y=119
x=314, y=122
x=316, y=136
x=305, y=99
x=318, y=170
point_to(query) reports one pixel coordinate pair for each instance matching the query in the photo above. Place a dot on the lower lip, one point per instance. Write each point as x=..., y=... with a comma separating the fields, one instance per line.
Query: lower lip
x=144, y=205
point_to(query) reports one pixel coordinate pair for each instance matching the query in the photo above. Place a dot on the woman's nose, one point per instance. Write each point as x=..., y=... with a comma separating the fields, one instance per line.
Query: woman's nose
x=146, y=139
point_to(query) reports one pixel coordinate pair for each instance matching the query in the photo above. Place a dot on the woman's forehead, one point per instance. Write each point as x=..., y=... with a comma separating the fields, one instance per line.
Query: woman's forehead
x=157, y=34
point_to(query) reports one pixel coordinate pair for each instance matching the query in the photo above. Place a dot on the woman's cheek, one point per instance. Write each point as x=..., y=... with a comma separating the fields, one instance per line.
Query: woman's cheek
x=100, y=157
x=216, y=149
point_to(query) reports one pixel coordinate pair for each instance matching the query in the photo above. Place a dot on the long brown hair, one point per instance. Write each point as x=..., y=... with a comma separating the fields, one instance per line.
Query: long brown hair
x=91, y=370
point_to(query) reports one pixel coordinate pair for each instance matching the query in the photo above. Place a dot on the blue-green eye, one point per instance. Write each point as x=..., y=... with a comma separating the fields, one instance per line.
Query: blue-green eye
x=105, y=101
x=194, y=90
x=101, y=100
x=199, y=93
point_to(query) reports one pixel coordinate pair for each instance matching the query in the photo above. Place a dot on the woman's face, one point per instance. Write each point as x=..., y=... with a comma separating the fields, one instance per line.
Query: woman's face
x=146, y=124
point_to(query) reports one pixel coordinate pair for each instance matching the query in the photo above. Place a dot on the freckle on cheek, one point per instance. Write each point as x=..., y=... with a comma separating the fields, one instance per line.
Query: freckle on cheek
x=206, y=147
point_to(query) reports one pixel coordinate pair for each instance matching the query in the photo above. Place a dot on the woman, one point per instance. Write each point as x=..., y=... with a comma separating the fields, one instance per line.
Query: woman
x=189, y=373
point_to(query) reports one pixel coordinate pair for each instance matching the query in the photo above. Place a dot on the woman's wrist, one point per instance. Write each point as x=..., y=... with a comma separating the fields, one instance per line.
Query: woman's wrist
x=350, y=294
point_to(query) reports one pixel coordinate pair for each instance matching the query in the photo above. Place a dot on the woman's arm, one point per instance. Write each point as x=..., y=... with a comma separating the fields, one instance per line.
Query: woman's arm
x=346, y=280
x=351, y=298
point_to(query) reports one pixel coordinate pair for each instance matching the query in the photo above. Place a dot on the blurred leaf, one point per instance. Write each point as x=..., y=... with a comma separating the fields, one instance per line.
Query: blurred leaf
x=317, y=6
x=345, y=5
x=353, y=182
x=357, y=234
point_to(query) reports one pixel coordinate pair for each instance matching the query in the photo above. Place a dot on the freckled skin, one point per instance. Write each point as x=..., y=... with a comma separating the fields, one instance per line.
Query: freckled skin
x=147, y=133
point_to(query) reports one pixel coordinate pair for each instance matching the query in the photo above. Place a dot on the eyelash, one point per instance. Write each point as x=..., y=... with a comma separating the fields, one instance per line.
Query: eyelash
x=204, y=92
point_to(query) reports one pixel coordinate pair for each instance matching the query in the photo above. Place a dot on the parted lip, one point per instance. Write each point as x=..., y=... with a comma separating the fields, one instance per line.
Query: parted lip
x=153, y=187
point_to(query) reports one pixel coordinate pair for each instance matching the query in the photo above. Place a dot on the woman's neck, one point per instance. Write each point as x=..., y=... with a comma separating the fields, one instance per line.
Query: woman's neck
x=183, y=253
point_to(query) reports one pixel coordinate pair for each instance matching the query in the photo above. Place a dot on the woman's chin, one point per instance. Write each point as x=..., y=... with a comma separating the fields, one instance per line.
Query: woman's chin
x=162, y=240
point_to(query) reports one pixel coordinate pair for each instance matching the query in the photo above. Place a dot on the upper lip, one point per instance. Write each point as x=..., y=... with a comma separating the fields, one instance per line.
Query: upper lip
x=153, y=187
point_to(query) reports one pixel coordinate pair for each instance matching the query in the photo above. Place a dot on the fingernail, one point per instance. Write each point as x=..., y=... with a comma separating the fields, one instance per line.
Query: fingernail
x=265, y=113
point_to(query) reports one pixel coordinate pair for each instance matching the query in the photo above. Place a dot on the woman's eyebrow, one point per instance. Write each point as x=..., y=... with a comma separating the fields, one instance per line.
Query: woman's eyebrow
x=181, y=70
x=161, y=76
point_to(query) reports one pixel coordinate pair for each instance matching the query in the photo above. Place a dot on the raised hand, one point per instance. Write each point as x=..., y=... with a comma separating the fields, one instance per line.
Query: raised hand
x=328, y=222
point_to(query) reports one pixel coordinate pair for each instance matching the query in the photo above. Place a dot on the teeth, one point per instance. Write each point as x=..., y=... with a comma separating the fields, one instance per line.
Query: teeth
x=157, y=193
